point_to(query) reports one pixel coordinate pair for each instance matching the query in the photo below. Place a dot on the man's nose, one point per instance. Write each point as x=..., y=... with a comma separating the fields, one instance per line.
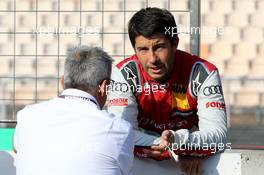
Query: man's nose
x=153, y=58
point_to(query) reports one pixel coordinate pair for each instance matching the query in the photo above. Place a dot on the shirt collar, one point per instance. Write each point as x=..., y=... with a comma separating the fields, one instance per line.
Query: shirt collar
x=77, y=92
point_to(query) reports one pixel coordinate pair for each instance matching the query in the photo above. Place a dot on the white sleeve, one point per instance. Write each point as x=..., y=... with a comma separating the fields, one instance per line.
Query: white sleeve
x=126, y=155
x=122, y=103
x=212, y=115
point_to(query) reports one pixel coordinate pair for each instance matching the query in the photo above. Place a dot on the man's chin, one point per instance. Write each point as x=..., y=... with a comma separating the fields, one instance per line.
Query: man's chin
x=157, y=77
x=161, y=78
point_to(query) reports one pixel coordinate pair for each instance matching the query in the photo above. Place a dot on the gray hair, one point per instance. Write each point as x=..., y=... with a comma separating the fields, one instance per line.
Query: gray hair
x=85, y=67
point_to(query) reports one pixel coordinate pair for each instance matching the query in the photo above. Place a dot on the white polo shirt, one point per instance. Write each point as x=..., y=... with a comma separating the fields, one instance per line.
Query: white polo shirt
x=70, y=135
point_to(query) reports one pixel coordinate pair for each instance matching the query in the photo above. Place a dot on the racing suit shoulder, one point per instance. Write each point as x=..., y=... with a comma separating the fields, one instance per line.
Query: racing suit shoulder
x=193, y=60
x=200, y=71
x=130, y=70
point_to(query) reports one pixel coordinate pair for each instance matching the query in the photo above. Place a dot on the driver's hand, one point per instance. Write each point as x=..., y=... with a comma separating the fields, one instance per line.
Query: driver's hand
x=157, y=150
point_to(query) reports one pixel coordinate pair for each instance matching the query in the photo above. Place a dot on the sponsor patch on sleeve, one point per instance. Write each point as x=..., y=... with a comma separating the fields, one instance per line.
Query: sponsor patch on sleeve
x=198, y=76
x=131, y=75
x=215, y=104
x=212, y=90
x=118, y=102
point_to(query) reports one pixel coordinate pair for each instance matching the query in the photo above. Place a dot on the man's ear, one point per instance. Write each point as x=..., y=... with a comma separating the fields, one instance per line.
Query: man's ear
x=62, y=81
x=103, y=88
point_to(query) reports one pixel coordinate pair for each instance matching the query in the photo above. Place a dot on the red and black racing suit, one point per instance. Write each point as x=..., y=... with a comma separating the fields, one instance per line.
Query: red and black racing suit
x=191, y=97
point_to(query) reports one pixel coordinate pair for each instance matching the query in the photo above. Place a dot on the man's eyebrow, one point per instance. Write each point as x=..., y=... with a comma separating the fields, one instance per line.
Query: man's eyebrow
x=141, y=47
x=159, y=42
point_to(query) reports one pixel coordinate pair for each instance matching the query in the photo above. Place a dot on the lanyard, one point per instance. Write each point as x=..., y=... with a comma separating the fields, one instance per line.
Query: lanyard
x=77, y=97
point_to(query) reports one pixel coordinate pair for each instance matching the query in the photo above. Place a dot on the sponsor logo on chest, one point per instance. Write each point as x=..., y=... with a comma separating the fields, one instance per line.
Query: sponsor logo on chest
x=179, y=97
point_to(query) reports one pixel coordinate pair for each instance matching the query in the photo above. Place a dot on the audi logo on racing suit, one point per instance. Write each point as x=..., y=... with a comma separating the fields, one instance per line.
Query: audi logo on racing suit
x=211, y=90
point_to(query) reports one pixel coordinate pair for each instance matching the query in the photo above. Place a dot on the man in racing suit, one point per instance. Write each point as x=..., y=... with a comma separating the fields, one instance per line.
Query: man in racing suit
x=161, y=88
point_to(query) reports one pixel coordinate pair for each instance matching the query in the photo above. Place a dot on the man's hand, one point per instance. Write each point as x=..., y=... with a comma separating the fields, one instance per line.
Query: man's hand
x=191, y=165
x=157, y=150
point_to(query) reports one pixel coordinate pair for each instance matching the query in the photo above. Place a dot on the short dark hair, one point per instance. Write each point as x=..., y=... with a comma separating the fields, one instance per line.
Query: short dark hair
x=149, y=22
